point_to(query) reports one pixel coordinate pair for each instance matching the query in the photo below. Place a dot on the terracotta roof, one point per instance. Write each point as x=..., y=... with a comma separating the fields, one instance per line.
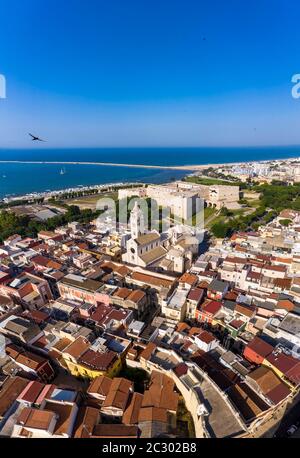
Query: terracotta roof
x=206, y=337
x=160, y=393
x=118, y=269
x=182, y=327
x=136, y=295
x=31, y=392
x=152, y=280
x=86, y=420
x=231, y=295
x=181, y=369
x=36, y=315
x=275, y=268
x=26, y=358
x=285, y=304
x=101, y=312
x=131, y=413
x=203, y=284
x=62, y=344
x=284, y=283
x=100, y=385
x=10, y=391
x=244, y=310
x=288, y=365
x=254, y=275
x=260, y=347
x=194, y=330
x=41, y=260
x=35, y=419
x=188, y=278
x=48, y=234
x=269, y=384
x=78, y=347
x=64, y=418
x=195, y=294
x=98, y=361
x=122, y=293
x=45, y=393
x=147, y=352
x=212, y=307
x=283, y=260
x=114, y=431
x=153, y=414
x=46, y=262
x=236, y=323
x=118, y=393
x=54, y=265
x=235, y=260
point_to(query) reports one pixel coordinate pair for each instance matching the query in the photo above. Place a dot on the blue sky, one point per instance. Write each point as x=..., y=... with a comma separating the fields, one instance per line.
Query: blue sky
x=147, y=73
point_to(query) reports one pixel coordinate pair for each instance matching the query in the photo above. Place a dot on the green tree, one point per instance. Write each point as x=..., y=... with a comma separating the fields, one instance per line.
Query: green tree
x=220, y=230
x=285, y=222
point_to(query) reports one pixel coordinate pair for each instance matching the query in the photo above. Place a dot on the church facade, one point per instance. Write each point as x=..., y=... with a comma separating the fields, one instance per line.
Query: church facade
x=143, y=248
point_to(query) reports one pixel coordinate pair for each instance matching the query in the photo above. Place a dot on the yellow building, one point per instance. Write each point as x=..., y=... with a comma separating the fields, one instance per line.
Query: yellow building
x=91, y=371
x=82, y=361
x=285, y=371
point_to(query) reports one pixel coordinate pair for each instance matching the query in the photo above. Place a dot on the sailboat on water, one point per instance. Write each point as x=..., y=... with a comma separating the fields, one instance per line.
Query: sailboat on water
x=62, y=171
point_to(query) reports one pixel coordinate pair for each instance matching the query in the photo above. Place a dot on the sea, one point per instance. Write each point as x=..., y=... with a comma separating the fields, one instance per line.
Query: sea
x=21, y=178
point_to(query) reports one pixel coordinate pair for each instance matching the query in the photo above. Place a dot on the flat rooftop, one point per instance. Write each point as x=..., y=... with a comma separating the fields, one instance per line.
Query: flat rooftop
x=291, y=324
x=221, y=421
x=178, y=299
x=78, y=281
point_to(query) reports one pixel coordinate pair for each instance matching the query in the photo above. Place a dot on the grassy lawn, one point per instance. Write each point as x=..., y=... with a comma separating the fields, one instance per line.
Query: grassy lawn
x=90, y=201
x=210, y=181
x=243, y=211
x=254, y=203
x=209, y=211
x=215, y=220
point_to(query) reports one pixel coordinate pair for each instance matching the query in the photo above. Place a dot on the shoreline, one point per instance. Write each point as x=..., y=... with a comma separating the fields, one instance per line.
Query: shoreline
x=194, y=167
x=188, y=168
x=58, y=192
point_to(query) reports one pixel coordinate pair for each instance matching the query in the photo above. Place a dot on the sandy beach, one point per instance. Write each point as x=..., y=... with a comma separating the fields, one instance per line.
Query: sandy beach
x=145, y=166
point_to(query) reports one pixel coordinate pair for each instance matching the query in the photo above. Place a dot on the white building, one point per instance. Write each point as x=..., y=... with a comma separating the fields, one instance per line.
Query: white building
x=143, y=248
x=175, y=307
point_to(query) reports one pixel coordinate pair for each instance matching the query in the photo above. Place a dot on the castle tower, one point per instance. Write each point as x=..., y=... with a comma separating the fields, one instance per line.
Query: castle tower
x=137, y=223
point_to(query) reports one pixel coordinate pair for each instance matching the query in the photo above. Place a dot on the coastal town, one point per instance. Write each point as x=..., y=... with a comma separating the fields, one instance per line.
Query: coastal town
x=116, y=329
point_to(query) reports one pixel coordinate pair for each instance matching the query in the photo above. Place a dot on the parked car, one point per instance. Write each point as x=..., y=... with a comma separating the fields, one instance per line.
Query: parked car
x=292, y=429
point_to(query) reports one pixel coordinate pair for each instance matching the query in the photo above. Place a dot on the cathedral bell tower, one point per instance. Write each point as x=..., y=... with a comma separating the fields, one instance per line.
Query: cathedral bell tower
x=137, y=223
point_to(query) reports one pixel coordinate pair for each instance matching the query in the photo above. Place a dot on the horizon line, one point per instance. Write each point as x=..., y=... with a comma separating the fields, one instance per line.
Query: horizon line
x=293, y=145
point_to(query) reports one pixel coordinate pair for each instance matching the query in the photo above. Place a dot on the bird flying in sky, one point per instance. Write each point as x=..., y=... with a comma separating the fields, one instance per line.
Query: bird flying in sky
x=34, y=138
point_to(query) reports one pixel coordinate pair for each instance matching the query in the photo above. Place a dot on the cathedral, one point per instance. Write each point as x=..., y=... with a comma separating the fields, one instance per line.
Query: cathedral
x=144, y=248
